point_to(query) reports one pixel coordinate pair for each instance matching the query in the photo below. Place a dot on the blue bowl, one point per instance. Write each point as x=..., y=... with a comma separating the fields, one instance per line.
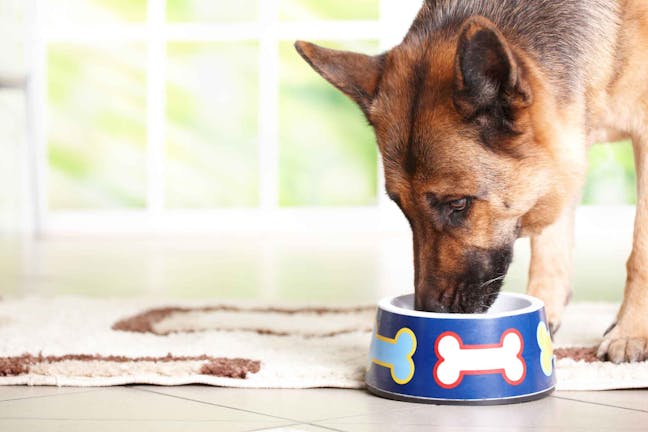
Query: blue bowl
x=499, y=357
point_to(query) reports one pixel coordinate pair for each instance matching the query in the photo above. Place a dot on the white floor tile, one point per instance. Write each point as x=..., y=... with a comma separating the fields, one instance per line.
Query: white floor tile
x=633, y=399
x=547, y=414
x=301, y=405
x=298, y=428
x=25, y=392
x=122, y=403
x=58, y=425
x=426, y=428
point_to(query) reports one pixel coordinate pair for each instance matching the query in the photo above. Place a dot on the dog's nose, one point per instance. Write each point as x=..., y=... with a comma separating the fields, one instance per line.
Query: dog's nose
x=429, y=304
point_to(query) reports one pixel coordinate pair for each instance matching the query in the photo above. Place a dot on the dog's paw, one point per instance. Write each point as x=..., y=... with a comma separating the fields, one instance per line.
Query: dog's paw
x=620, y=346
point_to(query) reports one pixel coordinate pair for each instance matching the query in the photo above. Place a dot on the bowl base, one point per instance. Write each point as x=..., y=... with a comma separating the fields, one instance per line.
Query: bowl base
x=431, y=401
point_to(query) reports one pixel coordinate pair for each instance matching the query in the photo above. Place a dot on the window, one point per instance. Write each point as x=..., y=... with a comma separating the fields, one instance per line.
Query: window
x=201, y=111
x=199, y=114
x=611, y=179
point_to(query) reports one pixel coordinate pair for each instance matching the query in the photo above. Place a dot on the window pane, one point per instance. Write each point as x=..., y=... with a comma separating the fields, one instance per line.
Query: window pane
x=328, y=154
x=63, y=12
x=97, y=126
x=211, y=11
x=611, y=178
x=299, y=10
x=211, y=136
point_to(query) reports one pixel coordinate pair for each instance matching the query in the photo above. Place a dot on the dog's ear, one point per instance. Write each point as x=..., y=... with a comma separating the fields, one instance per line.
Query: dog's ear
x=490, y=85
x=356, y=75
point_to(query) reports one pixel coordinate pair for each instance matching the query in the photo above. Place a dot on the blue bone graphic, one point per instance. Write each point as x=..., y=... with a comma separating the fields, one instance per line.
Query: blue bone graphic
x=395, y=354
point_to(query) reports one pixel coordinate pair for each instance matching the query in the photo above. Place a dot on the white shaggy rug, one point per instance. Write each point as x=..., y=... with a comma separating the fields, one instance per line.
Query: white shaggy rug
x=73, y=341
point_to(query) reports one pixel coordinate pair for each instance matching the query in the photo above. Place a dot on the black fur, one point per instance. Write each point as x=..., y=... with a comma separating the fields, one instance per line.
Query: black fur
x=477, y=287
x=485, y=68
x=483, y=278
x=488, y=86
x=417, y=83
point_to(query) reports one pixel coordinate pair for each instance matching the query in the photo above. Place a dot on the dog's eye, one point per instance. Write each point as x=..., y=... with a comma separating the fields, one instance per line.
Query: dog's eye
x=452, y=211
x=458, y=205
x=457, y=211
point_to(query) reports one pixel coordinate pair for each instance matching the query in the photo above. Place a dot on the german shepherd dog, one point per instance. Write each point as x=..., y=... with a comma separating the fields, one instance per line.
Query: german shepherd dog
x=483, y=116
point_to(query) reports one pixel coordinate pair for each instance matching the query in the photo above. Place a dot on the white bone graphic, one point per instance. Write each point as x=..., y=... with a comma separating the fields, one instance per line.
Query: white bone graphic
x=457, y=359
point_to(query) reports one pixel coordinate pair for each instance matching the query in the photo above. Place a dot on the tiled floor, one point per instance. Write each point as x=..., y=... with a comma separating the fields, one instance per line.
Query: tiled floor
x=357, y=269
x=197, y=408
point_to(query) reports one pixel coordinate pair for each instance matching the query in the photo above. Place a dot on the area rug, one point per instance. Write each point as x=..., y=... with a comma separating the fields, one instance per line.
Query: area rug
x=74, y=341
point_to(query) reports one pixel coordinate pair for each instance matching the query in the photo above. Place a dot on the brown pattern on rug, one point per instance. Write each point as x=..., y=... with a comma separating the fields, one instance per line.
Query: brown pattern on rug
x=269, y=332
x=231, y=368
x=145, y=321
x=215, y=366
x=586, y=354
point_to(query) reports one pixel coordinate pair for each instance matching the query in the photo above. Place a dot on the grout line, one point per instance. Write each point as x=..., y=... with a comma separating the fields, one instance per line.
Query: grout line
x=295, y=422
x=361, y=415
x=141, y=420
x=279, y=428
x=218, y=405
x=324, y=427
x=270, y=428
x=50, y=395
x=599, y=404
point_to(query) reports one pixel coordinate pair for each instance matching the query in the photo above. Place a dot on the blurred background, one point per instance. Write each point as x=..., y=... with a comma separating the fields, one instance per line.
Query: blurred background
x=182, y=148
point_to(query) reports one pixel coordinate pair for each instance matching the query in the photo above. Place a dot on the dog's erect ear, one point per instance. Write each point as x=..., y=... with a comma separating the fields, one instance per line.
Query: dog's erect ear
x=490, y=83
x=356, y=75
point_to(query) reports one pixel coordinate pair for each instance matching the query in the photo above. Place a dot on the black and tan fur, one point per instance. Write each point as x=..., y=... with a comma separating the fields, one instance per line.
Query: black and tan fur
x=483, y=116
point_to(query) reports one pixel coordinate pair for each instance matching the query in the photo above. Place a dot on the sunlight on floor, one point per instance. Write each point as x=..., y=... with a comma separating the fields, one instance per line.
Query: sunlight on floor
x=356, y=267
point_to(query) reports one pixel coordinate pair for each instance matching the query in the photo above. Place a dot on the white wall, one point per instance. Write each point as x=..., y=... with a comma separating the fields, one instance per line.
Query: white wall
x=13, y=173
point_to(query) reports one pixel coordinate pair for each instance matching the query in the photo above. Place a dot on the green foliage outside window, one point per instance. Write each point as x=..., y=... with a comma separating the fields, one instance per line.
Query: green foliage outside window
x=96, y=126
x=611, y=178
x=212, y=125
x=303, y=10
x=328, y=155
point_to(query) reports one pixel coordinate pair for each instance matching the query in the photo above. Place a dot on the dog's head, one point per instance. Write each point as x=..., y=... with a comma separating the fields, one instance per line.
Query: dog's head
x=461, y=122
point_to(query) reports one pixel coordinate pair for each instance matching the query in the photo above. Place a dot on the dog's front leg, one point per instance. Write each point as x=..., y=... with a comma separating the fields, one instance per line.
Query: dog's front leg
x=627, y=341
x=550, y=268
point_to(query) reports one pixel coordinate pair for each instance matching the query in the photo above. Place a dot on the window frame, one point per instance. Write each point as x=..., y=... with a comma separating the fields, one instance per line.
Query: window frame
x=392, y=23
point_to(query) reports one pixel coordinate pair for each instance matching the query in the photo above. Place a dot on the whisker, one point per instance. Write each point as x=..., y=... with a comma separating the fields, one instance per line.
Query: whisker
x=488, y=282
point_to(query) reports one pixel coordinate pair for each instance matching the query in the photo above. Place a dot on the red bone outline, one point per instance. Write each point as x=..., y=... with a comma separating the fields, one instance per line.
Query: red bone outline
x=501, y=371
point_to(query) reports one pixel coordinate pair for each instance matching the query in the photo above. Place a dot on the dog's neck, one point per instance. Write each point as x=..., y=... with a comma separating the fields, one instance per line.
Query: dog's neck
x=562, y=130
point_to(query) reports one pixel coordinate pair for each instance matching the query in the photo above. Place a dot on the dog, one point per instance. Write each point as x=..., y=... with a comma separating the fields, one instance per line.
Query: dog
x=483, y=115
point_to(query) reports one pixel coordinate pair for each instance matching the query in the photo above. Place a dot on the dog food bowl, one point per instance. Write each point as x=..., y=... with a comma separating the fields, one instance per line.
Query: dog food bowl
x=499, y=357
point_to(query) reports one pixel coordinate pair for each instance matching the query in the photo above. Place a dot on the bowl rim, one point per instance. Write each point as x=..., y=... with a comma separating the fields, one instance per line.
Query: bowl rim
x=536, y=305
